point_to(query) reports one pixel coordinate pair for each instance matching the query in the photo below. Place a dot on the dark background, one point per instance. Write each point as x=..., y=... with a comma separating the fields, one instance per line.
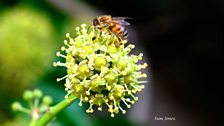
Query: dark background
x=184, y=39
x=184, y=42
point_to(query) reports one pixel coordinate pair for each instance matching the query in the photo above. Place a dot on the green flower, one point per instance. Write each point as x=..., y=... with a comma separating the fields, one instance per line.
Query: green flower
x=99, y=72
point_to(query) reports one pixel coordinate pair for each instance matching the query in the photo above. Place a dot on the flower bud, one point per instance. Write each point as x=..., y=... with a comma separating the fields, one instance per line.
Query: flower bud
x=111, y=78
x=99, y=62
x=28, y=95
x=121, y=64
x=16, y=106
x=37, y=93
x=47, y=100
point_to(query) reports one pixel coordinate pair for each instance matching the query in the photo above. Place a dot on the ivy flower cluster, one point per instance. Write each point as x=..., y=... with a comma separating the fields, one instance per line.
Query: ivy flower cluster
x=99, y=71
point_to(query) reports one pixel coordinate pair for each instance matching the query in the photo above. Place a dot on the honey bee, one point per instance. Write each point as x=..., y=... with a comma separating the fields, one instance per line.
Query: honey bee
x=115, y=25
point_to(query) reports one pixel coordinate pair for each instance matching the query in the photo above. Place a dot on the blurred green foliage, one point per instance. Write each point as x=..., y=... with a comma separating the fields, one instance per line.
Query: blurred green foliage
x=27, y=41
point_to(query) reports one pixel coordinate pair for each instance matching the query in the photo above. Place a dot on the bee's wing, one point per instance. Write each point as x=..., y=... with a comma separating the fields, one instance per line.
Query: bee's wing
x=125, y=23
x=122, y=20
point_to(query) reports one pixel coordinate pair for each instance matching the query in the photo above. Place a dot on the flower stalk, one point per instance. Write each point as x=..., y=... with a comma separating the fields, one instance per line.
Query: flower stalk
x=52, y=112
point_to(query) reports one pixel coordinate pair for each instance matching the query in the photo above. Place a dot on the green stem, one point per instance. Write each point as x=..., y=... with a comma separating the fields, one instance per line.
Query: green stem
x=51, y=114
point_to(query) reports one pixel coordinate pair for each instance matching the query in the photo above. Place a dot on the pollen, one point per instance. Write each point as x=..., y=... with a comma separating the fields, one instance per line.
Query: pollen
x=100, y=73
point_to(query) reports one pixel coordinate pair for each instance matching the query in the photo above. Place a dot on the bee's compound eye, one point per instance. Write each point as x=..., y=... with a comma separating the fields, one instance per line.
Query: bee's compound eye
x=95, y=22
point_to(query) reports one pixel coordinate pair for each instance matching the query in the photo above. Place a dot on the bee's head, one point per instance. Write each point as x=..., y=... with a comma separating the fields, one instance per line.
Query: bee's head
x=95, y=22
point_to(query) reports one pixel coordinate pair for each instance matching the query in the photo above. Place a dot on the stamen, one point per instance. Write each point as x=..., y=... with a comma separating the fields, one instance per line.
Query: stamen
x=116, y=109
x=111, y=97
x=83, y=62
x=136, y=60
x=110, y=107
x=68, y=93
x=63, y=48
x=142, y=86
x=129, y=106
x=129, y=91
x=66, y=43
x=131, y=46
x=135, y=98
x=100, y=108
x=88, y=91
x=144, y=75
x=59, y=64
x=124, y=42
x=133, y=85
x=123, y=111
x=129, y=100
x=67, y=35
x=83, y=26
x=134, y=90
x=112, y=115
x=77, y=28
x=90, y=109
x=139, y=75
x=140, y=56
x=86, y=98
x=127, y=50
x=142, y=82
x=90, y=65
x=84, y=31
x=144, y=65
x=80, y=102
x=59, y=54
x=59, y=79
x=108, y=87
x=124, y=73
x=106, y=101
x=68, y=86
x=94, y=76
x=55, y=64
x=71, y=76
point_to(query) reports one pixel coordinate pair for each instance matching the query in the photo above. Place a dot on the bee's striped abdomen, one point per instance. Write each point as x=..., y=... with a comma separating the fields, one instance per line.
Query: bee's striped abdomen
x=119, y=30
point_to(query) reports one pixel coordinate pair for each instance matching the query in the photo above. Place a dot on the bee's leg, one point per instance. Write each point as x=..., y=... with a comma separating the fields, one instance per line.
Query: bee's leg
x=88, y=30
x=92, y=29
x=117, y=41
x=106, y=32
x=111, y=39
x=100, y=30
x=97, y=33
